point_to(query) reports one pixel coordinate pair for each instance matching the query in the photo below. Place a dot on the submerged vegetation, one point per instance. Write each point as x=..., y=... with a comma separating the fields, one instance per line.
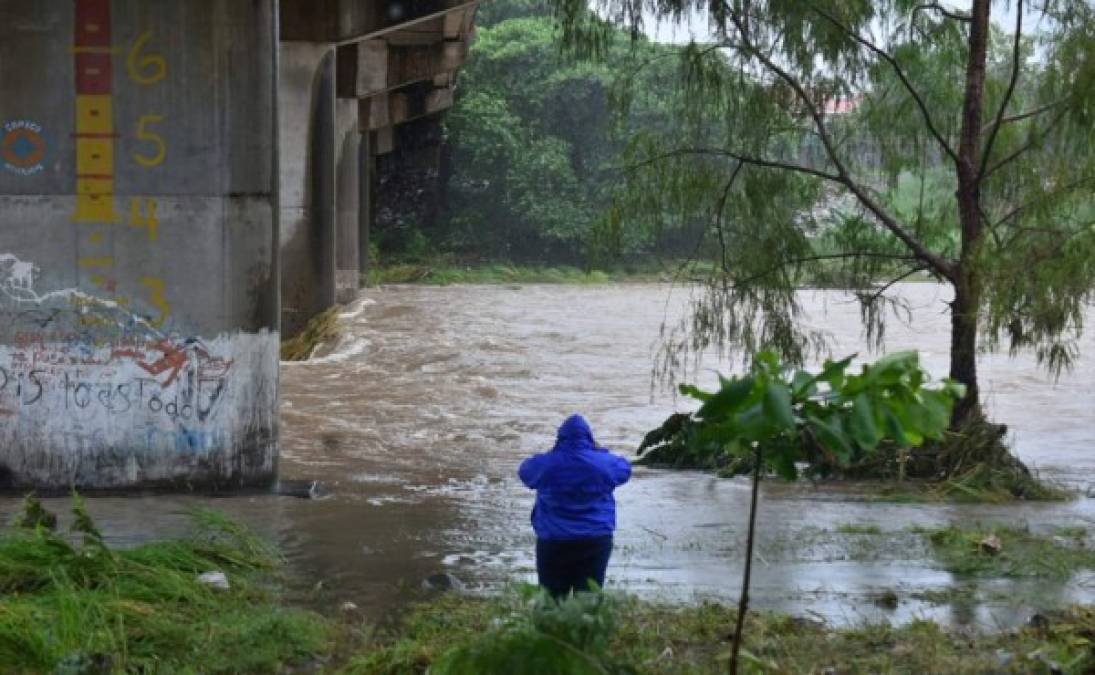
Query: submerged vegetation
x=320, y=329
x=73, y=604
x=516, y=634
x=1008, y=551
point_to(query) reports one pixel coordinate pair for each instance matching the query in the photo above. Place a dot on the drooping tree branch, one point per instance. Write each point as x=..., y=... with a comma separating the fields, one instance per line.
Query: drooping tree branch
x=900, y=72
x=1016, y=57
x=942, y=266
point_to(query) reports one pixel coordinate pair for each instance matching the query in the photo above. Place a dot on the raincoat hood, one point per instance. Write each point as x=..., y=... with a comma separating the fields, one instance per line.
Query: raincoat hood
x=574, y=484
x=574, y=435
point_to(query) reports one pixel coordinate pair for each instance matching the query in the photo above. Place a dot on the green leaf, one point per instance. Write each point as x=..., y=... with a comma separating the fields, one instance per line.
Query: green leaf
x=784, y=464
x=777, y=407
x=803, y=384
x=693, y=392
x=725, y=401
x=833, y=371
x=831, y=437
x=862, y=423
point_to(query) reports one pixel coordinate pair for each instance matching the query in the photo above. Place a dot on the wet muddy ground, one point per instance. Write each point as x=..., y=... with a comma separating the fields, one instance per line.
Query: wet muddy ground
x=416, y=421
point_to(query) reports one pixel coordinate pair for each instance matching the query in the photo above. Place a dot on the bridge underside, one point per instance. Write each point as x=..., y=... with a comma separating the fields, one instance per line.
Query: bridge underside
x=350, y=76
x=182, y=183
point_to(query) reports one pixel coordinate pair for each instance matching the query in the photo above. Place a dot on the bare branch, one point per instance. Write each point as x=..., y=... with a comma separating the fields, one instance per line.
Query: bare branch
x=1026, y=114
x=747, y=159
x=956, y=16
x=937, y=262
x=1026, y=146
x=873, y=297
x=899, y=71
x=1064, y=189
x=1015, y=63
x=722, y=207
x=829, y=256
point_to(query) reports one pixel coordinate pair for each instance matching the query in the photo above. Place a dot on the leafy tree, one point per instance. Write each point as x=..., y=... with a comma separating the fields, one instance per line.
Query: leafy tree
x=533, y=140
x=861, y=143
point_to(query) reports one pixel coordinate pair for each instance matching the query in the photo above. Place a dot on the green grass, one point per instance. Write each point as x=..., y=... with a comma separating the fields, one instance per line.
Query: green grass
x=1021, y=552
x=447, y=274
x=86, y=607
x=445, y=270
x=499, y=635
x=858, y=528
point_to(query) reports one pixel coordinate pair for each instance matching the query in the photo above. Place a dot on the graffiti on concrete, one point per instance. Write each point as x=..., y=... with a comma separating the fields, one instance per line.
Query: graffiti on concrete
x=83, y=374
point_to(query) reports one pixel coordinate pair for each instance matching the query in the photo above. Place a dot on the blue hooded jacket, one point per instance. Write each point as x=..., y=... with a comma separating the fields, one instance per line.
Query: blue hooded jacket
x=574, y=484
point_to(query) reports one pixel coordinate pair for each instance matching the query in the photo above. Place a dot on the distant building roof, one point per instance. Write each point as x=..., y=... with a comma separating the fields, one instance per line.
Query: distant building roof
x=842, y=106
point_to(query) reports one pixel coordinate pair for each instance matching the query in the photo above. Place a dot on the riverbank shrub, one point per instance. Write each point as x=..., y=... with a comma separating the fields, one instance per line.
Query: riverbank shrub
x=817, y=423
x=649, y=637
x=71, y=603
x=883, y=424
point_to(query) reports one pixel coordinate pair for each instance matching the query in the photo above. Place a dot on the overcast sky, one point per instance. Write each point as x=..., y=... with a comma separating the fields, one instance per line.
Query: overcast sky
x=1003, y=14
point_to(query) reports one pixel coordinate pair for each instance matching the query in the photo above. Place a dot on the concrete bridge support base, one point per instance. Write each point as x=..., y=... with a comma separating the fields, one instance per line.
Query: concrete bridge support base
x=138, y=244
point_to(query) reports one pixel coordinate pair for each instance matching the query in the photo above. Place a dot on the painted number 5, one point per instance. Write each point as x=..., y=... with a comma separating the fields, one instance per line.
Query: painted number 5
x=144, y=134
x=148, y=69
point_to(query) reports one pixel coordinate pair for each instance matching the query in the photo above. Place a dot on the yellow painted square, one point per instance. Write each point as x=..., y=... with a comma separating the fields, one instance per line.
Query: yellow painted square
x=95, y=156
x=94, y=114
x=94, y=208
x=95, y=186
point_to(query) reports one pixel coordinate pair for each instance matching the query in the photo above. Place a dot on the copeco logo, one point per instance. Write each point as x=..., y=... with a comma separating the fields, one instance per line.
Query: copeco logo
x=22, y=147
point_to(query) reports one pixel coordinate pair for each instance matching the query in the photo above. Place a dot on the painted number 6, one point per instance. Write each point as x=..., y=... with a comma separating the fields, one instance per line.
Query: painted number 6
x=148, y=69
x=144, y=134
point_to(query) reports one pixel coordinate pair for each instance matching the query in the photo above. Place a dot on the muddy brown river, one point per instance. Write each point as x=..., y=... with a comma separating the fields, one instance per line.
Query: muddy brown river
x=416, y=421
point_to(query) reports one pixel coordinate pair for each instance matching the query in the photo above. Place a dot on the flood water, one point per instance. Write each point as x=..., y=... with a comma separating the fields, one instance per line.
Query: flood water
x=418, y=418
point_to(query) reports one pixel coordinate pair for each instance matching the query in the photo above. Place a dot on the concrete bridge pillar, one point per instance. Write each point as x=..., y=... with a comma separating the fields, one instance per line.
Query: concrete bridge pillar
x=308, y=156
x=138, y=244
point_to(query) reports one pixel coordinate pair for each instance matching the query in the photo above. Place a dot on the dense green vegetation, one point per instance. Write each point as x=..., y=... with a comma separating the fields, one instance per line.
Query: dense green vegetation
x=72, y=604
x=535, y=145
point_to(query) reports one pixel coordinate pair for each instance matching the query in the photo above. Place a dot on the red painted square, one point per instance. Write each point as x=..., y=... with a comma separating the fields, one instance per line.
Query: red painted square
x=92, y=23
x=93, y=73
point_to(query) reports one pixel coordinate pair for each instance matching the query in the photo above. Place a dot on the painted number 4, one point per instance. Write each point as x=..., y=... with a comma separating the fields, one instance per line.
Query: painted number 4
x=142, y=213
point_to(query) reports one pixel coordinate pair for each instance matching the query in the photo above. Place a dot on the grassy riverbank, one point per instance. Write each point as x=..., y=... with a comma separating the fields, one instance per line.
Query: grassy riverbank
x=513, y=634
x=445, y=272
x=73, y=604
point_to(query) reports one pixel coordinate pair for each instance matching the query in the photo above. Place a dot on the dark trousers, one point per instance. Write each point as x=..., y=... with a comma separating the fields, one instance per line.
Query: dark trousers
x=567, y=566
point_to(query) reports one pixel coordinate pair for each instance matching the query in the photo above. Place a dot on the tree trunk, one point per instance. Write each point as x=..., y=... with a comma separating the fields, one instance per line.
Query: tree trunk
x=964, y=347
x=965, y=276
x=743, y=601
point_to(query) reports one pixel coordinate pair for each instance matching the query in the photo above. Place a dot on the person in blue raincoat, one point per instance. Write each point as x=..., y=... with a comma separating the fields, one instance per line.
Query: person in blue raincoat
x=575, y=512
